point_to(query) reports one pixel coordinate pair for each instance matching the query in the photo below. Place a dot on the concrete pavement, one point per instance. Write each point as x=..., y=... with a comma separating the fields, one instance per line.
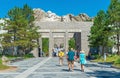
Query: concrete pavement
x=48, y=67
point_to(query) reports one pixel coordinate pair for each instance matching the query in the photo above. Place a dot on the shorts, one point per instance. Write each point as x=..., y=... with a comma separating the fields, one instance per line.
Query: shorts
x=70, y=61
x=61, y=58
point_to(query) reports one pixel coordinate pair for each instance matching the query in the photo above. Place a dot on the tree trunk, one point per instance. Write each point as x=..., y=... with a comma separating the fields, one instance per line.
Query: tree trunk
x=118, y=44
x=103, y=50
x=14, y=48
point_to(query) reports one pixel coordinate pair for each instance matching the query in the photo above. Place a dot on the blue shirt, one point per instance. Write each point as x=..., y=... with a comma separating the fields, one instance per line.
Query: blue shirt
x=71, y=55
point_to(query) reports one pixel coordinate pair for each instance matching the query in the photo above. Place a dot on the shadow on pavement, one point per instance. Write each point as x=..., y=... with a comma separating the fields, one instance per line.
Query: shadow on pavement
x=105, y=63
x=65, y=70
x=77, y=70
x=95, y=65
x=68, y=70
x=104, y=74
x=58, y=65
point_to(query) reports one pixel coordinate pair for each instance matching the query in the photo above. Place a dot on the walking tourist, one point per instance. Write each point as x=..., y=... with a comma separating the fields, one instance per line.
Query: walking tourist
x=77, y=54
x=71, y=55
x=53, y=53
x=61, y=55
x=82, y=60
x=57, y=49
x=67, y=54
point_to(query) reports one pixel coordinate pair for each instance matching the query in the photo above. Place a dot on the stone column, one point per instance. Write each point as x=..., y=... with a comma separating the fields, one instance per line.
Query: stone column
x=50, y=43
x=66, y=41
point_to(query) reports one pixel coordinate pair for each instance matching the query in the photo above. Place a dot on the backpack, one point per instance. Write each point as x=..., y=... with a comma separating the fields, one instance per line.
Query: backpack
x=61, y=54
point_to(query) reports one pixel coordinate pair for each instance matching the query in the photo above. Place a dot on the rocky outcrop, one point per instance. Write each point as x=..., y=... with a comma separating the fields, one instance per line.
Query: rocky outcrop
x=42, y=16
x=39, y=14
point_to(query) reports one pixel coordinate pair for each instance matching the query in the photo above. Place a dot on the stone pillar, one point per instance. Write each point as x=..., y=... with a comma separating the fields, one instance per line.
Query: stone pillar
x=66, y=41
x=35, y=52
x=50, y=43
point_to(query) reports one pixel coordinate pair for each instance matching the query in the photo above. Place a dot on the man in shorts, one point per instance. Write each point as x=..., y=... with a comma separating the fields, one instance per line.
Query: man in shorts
x=71, y=55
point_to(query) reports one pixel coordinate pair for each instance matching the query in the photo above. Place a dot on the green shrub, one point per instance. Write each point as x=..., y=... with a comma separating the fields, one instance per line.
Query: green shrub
x=117, y=61
x=110, y=58
x=30, y=55
x=72, y=43
x=95, y=56
x=45, y=44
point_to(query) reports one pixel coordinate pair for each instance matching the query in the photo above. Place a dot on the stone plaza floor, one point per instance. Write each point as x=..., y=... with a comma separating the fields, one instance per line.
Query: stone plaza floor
x=48, y=67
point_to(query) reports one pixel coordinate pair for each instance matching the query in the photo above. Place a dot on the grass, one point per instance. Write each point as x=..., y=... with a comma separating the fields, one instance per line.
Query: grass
x=115, y=59
x=117, y=63
x=111, y=58
x=3, y=67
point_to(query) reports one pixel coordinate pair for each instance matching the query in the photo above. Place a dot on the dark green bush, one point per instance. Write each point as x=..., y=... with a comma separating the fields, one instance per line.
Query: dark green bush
x=117, y=61
x=30, y=55
x=95, y=56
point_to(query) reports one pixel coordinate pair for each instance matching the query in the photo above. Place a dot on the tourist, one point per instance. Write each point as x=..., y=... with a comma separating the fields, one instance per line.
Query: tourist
x=39, y=51
x=82, y=60
x=67, y=54
x=71, y=55
x=61, y=55
x=77, y=54
x=53, y=53
x=75, y=57
x=57, y=50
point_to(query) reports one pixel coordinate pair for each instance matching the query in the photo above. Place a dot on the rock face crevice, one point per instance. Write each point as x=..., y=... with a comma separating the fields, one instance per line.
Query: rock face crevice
x=42, y=16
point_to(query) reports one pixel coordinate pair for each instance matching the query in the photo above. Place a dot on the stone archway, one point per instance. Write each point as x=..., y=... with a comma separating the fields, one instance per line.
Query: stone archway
x=65, y=30
x=58, y=37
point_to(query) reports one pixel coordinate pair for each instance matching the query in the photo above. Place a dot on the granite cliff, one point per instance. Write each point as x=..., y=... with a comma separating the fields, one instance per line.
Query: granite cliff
x=42, y=16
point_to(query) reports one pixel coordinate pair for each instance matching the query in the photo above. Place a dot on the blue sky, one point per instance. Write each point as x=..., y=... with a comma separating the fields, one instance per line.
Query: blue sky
x=60, y=7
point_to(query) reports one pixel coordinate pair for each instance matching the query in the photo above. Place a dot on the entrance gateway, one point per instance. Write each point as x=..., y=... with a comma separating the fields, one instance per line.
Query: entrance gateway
x=61, y=32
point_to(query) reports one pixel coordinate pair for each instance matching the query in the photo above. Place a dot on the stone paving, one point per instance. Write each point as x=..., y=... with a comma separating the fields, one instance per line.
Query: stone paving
x=48, y=67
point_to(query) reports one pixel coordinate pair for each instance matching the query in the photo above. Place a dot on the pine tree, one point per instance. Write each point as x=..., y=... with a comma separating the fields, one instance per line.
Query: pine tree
x=22, y=34
x=100, y=32
x=114, y=20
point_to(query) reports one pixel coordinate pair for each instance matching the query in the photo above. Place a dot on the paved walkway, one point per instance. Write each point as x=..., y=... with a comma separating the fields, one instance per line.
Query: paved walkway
x=49, y=68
